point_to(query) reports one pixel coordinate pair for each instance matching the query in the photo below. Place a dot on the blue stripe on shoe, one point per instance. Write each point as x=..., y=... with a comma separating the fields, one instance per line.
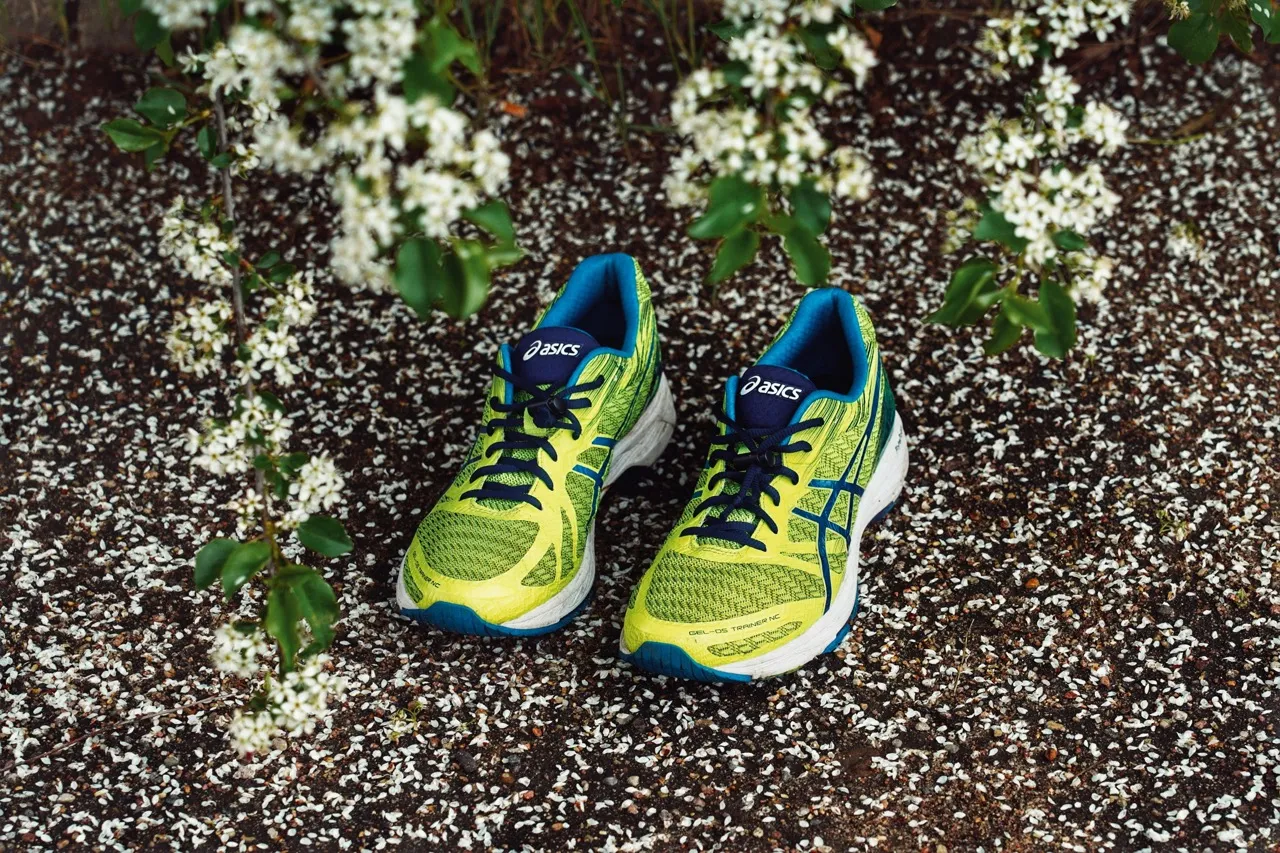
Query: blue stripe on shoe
x=667, y=659
x=460, y=619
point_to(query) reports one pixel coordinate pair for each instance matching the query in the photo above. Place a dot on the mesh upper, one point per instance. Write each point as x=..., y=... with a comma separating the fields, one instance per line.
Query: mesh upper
x=544, y=573
x=747, y=645
x=690, y=589
x=470, y=548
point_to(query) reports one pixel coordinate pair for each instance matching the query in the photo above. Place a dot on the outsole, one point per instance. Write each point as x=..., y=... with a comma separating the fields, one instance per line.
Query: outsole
x=671, y=660
x=460, y=619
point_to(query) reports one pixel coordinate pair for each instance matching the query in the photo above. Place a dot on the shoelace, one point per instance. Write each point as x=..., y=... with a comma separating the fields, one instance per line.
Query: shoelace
x=550, y=408
x=752, y=468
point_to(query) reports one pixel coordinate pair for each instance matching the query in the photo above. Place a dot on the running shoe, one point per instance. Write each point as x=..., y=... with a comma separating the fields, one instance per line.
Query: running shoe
x=507, y=550
x=760, y=574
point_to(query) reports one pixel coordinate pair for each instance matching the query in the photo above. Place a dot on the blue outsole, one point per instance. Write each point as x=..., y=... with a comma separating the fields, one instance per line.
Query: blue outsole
x=668, y=659
x=460, y=619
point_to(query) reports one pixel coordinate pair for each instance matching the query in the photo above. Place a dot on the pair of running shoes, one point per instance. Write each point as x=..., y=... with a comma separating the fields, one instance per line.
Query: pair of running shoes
x=760, y=574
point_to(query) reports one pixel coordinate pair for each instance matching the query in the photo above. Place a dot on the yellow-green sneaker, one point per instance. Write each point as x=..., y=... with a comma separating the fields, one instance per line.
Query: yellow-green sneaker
x=507, y=550
x=760, y=574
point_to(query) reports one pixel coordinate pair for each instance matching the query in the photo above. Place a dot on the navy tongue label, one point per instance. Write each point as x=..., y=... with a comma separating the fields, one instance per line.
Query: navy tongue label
x=768, y=396
x=551, y=354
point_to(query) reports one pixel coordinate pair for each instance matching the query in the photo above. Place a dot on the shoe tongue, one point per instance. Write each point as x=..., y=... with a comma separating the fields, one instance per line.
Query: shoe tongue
x=549, y=355
x=768, y=396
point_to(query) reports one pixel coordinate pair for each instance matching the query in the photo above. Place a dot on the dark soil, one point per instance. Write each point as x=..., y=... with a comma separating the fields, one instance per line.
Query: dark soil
x=1070, y=634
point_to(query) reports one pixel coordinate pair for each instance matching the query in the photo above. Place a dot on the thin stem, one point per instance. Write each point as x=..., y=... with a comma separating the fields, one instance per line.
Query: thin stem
x=237, y=303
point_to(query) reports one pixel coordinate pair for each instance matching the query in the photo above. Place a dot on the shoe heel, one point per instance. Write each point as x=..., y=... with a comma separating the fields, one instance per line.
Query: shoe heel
x=647, y=440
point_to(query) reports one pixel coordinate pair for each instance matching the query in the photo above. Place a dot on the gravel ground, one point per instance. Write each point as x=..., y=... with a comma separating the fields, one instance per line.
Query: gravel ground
x=1070, y=635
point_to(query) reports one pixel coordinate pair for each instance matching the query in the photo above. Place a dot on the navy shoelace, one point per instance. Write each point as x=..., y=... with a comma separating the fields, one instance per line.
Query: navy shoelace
x=550, y=408
x=752, y=459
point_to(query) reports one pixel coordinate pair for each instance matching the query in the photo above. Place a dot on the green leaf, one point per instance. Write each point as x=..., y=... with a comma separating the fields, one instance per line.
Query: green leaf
x=281, y=272
x=207, y=142
x=810, y=258
x=281, y=622
x=242, y=564
x=420, y=80
x=495, y=218
x=151, y=156
x=324, y=535
x=317, y=604
x=210, y=559
x=418, y=274
x=727, y=29
x=466, y=279
x=812, y=206
x=267, y=261
x=164, y=50
x=876, y=5
x=823, y=51
x=291, y=463
x=448, y=46
x=1025, y=312
x=130, y=7
x=735, y=252
x=1236, y=25
x=993, y=226
x=971, y=292
x=500, y=255
x=129, y=135
x=1059, y=333
x=147, y=31
x=162, y=107
x=734, y=72
x=733, y=203
x=1069, y=241
x=1004, y=334
x=1266, y=17
x=1195, y=37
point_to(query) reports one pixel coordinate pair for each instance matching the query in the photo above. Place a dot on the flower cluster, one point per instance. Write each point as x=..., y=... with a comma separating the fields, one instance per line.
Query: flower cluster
x=393, y=160
x=293, y=705
x=456, y=172
x=1186, y=243
x=199, y=336
x=1022, y=162
x=229, y=447
x=272, y=348
x=237, y=652
x=182, y=14
x=1014, y=41
x=317, y=487
x=196, y=244
x=771, y=138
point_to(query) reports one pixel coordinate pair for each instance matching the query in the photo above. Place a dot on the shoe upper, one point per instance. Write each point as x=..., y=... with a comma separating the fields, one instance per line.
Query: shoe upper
x=760, y=551
x=511, y=530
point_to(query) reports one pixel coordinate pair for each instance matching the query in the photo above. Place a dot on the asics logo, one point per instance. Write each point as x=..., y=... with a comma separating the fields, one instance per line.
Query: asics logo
x=549, y=348
x=773, y=389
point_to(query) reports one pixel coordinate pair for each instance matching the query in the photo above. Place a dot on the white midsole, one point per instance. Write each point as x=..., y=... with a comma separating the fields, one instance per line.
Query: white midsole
x=883, y=489
x=639, y=447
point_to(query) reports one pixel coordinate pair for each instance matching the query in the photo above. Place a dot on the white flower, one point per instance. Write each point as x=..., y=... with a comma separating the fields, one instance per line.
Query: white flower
x=316, y=488
x=251, y=732
x=856, y=52
x=236, y=652
x=1105, y=126
x=181, y=14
